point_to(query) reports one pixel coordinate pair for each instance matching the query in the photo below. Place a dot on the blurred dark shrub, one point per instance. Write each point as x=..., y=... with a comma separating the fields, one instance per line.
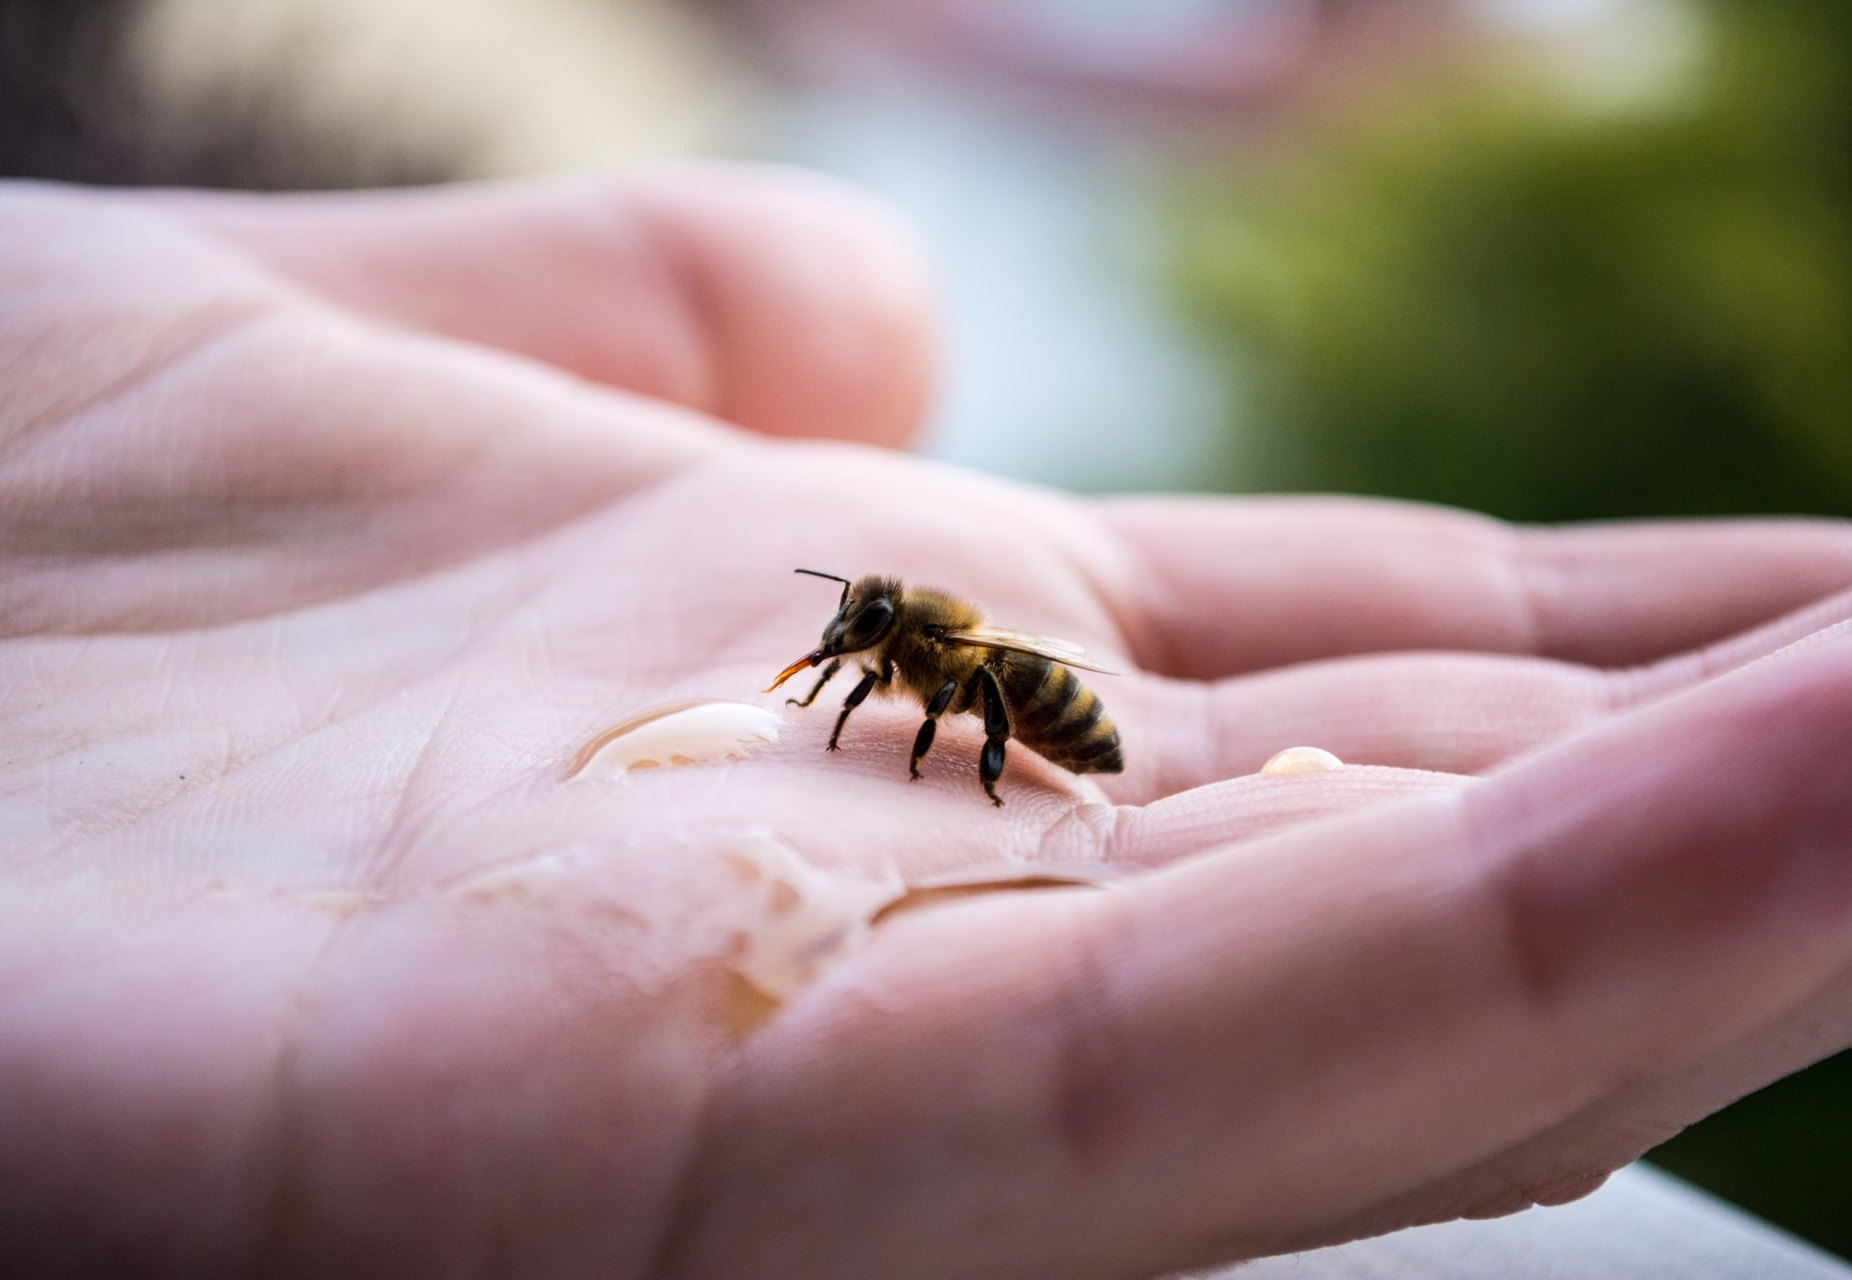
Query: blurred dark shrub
x=87, y=94
x=1493, y=294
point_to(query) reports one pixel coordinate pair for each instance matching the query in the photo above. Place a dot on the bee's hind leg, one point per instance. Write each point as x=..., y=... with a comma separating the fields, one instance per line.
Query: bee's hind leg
x=996, y=733
x=923, y=740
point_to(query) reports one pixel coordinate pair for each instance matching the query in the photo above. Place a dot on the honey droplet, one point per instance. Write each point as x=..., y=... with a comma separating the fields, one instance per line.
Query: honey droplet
x=1301, y=760
x=676, y=734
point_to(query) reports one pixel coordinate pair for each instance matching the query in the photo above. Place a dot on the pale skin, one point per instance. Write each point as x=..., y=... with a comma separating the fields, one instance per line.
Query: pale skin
x=333, y=527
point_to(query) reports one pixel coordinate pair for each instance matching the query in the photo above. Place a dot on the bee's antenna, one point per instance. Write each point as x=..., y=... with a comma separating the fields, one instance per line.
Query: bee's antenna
x=832, y=577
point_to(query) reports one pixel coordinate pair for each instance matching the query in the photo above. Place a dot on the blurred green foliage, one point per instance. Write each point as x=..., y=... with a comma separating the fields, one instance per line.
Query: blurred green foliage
x=1496, y=295
x=1493, y=294
x=1784, y=1153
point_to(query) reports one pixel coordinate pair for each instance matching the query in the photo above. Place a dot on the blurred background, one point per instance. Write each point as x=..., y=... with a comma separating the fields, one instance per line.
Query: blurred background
x=1549, y=259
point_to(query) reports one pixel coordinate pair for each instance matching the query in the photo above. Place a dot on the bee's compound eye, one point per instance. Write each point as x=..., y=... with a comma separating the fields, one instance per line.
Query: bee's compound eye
x=871, y=623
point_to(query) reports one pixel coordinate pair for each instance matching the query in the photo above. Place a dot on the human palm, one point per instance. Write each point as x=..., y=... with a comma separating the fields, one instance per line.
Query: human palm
x=336, y=528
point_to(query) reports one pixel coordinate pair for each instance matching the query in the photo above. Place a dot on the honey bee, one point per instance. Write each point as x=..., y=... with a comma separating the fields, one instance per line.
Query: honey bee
x=934, y=646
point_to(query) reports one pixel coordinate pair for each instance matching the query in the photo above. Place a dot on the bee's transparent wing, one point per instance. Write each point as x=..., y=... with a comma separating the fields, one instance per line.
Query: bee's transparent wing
x=1062, y=651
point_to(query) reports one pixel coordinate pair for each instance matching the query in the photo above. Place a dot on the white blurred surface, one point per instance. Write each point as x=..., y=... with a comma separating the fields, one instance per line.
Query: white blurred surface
x=1643, y=1225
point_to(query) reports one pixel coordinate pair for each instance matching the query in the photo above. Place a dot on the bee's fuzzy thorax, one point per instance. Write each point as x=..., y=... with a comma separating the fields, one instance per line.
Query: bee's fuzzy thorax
x=921, y=662
x=929, y=607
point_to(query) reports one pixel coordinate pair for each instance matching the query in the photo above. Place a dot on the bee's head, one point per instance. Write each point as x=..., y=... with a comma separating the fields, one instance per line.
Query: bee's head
x=864, y=617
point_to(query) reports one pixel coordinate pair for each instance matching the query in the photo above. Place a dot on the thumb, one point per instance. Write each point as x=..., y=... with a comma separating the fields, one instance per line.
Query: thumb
x=779, y=301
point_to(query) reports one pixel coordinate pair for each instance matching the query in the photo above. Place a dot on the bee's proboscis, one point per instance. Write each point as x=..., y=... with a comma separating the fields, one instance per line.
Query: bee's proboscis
x=810, y=659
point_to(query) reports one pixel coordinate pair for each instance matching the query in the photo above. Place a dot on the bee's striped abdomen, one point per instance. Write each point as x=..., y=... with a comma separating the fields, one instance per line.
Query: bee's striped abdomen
x=1059, y=718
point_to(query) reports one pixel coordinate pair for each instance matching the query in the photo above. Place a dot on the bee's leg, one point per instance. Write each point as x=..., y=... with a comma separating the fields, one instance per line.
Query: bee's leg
x=996, y=732
x=934, y=709
x=850, y=703
x=828, y=672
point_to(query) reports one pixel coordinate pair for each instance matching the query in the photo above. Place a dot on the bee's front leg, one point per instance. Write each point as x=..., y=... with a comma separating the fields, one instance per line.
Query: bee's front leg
x=828, y=673
x=996, y=733
x=934, y=709
x=854, y=700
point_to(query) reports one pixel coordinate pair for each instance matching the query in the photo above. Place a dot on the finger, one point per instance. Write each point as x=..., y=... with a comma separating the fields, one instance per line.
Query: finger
x=1228, y=1054
x=1213, y=588
x=1450, y=713
x=1219, y=814
x=1571, y=1159
x=780, y=302
x=153, y=480
x=1460, y=713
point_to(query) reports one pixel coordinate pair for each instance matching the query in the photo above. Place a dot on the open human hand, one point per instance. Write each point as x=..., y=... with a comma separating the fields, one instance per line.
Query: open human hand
x=335, y=527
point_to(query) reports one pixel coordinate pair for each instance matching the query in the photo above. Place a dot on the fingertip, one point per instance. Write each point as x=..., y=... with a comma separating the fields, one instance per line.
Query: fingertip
x=817, y=300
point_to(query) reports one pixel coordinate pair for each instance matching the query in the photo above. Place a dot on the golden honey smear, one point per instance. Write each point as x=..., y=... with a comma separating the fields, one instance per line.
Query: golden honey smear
x=1007, y=878
x=797, y=919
